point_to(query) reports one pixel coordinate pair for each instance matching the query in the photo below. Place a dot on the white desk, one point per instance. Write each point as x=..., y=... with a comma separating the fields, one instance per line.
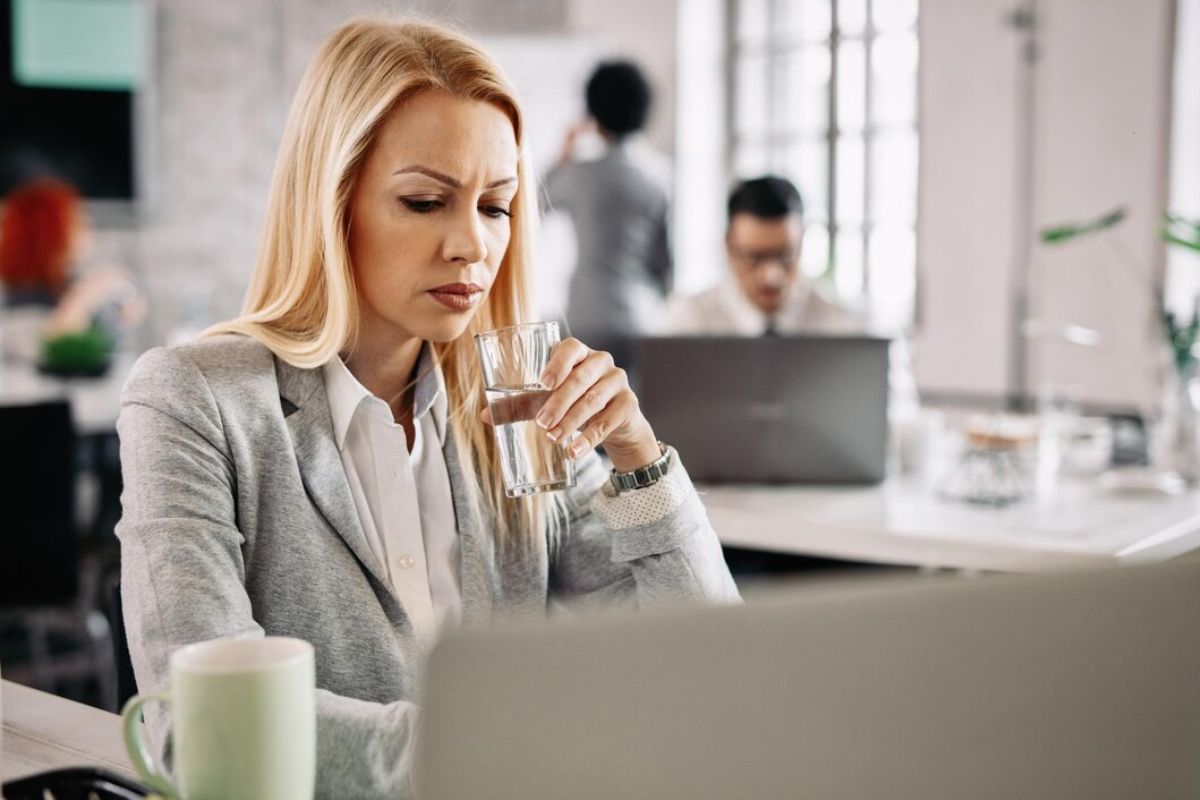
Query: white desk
x=42, y=732
x=1081, y=526
x=95, y=402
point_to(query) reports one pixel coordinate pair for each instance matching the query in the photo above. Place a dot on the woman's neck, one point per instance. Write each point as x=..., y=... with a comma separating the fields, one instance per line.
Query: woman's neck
x=386, y=368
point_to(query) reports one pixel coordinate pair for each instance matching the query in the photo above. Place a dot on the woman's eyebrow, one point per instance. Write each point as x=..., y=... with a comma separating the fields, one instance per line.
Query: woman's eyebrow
x=442, y=177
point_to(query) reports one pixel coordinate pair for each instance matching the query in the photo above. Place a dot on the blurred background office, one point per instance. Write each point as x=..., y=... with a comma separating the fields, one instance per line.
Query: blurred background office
x=991, y=180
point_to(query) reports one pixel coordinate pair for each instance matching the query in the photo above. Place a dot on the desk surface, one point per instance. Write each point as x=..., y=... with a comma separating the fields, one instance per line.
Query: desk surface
x=43, y=732
x=95, y=402
x=1079, y=526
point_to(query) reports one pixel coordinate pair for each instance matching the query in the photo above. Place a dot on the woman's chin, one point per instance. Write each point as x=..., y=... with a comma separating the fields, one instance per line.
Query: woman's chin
x=444, y=330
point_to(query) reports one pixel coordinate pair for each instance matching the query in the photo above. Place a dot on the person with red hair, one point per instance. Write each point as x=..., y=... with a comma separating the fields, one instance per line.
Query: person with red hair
x=44, y=235
x=42, y=231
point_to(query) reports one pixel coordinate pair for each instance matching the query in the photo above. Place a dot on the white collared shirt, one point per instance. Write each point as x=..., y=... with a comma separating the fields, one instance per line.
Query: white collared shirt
x=724, y=310
x=403, y=499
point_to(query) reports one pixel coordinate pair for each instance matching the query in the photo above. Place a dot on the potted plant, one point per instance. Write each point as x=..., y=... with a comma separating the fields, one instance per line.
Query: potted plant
x=1179, y=431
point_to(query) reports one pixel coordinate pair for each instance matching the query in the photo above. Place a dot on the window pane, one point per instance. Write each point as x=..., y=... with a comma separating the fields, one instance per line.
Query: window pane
x=814, y=252
x=805, y=80
x=894, y=104
x=848, y=266
x=808, y=18
x=852, y=17
x=851, y=87
x=851, y=183
x=894, y=57
x=807, y=166
x=751, y=100
x=751, y=160
x=894, y=178
x=893, y=15
x=893, y=256
x=752, y=21
x=894, y=71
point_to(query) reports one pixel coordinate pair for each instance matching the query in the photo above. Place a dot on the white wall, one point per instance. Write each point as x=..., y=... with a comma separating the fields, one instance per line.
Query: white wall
x=1100, y=121
x=966, y=195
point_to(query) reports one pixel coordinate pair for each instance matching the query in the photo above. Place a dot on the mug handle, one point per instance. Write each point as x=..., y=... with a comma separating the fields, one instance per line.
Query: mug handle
x=139, y=748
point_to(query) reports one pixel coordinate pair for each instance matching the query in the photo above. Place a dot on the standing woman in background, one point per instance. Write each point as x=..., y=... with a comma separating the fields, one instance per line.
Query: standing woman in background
x=321, y=466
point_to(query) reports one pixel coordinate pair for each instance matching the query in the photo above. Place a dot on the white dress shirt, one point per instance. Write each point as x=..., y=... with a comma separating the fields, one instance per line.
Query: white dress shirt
x=403, y=499
x=724, y=310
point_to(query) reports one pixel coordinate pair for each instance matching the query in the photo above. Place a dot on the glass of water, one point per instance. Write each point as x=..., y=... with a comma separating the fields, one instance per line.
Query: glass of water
x=513, y=361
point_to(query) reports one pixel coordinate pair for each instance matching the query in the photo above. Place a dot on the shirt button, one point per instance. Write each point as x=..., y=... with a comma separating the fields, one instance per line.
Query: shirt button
x=405, y=562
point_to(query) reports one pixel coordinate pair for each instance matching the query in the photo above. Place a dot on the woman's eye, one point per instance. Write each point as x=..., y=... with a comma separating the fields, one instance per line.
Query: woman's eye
x=420, y=206
x=495, y=212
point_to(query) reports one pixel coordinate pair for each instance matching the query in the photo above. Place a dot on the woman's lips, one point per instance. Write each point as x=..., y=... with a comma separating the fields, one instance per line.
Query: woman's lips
x=457, y=296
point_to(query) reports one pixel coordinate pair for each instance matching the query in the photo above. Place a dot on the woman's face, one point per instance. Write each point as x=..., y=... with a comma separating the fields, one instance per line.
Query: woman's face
x=430, y=217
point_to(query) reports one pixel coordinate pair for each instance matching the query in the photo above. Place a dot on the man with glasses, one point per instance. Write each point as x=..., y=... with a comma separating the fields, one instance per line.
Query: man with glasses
x=766, y=295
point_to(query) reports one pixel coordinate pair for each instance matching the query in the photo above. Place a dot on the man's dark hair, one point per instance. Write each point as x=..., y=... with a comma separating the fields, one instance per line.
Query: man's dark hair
x=768, y=197
x=618, y=97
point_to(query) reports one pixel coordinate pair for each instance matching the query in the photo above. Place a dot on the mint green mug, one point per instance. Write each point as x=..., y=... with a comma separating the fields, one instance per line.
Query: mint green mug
x=243, y=720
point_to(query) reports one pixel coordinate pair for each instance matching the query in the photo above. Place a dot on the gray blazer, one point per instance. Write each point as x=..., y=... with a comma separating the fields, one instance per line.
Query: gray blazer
x=238, y=521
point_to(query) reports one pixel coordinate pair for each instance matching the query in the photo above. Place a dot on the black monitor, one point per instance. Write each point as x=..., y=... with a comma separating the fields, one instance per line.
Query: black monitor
x=69, y=75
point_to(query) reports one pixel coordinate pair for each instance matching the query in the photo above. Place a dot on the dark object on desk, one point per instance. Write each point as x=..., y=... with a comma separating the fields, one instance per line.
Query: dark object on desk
x=1130, y=445
x=785, y=409
x=76, y=783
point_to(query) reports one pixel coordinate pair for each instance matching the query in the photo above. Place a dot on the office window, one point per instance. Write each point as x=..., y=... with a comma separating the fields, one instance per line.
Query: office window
x=824, y=92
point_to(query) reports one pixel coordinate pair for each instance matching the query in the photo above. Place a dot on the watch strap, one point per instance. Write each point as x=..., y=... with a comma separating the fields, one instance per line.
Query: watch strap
x=645, y=476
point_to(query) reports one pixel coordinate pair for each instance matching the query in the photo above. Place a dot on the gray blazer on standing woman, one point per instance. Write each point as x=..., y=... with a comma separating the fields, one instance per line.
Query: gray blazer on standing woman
x=238, y=521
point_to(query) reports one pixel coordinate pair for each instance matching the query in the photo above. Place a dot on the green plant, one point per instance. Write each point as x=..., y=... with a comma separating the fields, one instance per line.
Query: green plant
x=78, y=353
x=1182, y=333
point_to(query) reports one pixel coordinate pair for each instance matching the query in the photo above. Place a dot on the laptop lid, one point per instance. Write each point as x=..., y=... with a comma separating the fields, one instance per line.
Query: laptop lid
x=772, y=409
x=1057, y=686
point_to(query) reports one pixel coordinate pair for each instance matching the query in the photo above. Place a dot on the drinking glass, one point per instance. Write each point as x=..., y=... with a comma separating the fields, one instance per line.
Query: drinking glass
x=513, y=361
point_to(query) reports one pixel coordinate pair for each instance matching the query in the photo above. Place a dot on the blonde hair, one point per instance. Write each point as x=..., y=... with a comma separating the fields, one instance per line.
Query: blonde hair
x=302, y=302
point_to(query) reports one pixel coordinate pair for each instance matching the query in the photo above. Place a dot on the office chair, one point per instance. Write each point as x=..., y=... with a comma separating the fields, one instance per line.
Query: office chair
x=126, y=682
x=44, y=588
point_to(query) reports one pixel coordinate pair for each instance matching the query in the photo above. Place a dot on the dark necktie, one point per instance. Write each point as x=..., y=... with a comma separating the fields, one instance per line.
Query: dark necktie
x=771, y=329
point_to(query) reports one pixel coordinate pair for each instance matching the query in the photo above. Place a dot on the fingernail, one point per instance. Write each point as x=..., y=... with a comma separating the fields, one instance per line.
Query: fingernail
x=542, y=420
x=547, y=380
x=553, y=435
x=577, y=448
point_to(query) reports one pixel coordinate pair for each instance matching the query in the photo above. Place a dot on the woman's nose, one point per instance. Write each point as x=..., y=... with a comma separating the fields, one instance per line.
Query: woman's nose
x=465, y=239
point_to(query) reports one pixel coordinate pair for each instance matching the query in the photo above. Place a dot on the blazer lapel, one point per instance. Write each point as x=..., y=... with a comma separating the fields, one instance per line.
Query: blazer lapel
x=306, y=406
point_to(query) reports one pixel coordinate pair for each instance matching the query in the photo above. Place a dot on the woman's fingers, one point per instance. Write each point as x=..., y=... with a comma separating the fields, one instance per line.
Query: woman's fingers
x=566, y=355
x=614, y=415
x=588, y=404
x=569, y=389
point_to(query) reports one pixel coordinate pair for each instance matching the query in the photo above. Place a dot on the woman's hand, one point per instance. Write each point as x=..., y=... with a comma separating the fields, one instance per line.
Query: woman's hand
x=591, y=395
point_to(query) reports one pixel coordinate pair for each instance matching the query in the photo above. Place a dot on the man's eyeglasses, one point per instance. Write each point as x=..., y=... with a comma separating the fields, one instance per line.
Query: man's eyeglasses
x=753, y=259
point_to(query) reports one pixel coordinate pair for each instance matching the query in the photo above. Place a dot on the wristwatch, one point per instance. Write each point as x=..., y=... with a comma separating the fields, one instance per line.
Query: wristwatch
x=645, y=476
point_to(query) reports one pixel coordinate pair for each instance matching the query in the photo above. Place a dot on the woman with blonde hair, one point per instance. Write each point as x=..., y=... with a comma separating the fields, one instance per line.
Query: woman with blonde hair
x=322, y=466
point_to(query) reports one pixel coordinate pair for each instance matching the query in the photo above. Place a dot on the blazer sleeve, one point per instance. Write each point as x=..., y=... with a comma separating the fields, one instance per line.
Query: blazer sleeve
x=649, y=547
x=183, y=574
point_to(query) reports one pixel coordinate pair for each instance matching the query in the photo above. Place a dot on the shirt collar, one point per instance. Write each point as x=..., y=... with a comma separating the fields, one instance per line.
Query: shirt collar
x=347, y=396
x=750, y=320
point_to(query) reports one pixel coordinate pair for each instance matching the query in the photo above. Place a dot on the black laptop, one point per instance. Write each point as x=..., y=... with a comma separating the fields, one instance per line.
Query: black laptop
x=792, y=409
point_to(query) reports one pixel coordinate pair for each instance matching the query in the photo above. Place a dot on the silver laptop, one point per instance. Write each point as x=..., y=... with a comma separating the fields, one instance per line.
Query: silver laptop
x=780, y=409
x=1070, y=686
